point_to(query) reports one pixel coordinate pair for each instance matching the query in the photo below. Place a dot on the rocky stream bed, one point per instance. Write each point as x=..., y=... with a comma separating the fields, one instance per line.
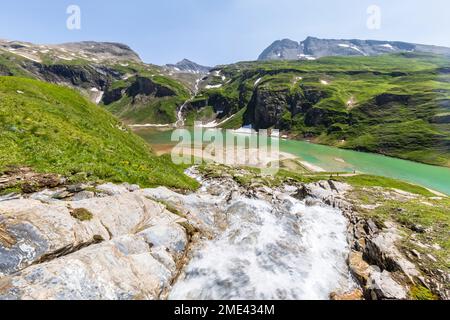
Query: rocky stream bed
x=225, y=241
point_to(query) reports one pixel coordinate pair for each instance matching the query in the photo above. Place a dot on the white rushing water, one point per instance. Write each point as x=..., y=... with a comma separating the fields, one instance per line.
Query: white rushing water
x=282, y=250
x=180, y=113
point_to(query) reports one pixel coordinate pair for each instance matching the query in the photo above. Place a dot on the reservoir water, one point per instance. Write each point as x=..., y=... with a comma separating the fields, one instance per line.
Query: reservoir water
x=339, y=160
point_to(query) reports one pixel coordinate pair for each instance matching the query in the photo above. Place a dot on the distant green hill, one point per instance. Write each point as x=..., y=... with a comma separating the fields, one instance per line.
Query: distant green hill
x=136, y=92
x=54, y=129
x=398, y=105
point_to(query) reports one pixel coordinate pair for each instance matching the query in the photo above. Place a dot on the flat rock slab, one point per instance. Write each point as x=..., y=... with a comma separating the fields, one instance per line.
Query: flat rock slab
x=32, y=231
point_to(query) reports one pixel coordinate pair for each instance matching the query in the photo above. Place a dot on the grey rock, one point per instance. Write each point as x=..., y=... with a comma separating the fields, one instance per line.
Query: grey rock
x=83, y=195
x=42, y=230
x=112, y=189
x=382, y=286
x=62, y=195
x=122, y=269
x=382, y=251
x=76, y=188
x=11, y=196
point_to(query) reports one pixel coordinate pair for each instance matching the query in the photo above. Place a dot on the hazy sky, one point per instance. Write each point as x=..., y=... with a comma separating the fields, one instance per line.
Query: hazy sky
x=221, y=31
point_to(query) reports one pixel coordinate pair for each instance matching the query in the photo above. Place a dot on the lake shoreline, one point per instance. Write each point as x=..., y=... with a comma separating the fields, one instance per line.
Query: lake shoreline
x=332, y=159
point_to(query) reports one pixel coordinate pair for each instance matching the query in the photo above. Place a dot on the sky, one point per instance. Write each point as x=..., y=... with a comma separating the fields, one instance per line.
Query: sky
x=213, y=32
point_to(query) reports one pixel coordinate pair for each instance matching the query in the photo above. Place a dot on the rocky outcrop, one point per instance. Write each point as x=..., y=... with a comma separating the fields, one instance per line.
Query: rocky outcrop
x=121, y=242
x=145, y=86
x=376, y=261
x=79, y=76
x=381, y=286
x=266, y=108
x=140, y=90
x=117, y=246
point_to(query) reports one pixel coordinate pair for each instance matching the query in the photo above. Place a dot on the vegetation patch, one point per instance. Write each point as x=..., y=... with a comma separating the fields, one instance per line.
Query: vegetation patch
x=422, y=293
x=363, y=180
x=82, y=214
x=53, y=129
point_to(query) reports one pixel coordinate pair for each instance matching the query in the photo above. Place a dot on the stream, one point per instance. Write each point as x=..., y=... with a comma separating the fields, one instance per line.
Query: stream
x=273, y=247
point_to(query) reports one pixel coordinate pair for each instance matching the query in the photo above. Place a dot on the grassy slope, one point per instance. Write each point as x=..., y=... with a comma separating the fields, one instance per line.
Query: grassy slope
x=152, y=109
x=53, y=129
x=398, y=128
x=149, y=109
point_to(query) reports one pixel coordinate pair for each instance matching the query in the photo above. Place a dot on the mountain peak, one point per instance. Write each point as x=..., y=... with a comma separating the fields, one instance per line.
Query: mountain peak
x=312, y=48
x=188, y=66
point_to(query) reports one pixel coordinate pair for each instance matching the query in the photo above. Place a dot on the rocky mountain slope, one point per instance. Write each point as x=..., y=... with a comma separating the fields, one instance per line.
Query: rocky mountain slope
x=312, y=48
x=108, y=74
x=395, y=104
x=89, y=50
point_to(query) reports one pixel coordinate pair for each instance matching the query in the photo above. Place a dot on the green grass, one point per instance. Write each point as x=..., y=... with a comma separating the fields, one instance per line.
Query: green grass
x=236, y=121
x=54, y=129
x=203, y=115
x=383, y=182
x=422, y=293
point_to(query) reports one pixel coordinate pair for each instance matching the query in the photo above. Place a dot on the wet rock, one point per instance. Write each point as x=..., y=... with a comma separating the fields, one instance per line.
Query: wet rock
x=302, y=193
x=309, y=202
x=382, y=286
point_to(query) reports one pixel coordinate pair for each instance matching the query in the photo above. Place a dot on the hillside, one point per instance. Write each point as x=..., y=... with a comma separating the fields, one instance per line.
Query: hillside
x=396, y=105
x=53, y=129
x=108, y=74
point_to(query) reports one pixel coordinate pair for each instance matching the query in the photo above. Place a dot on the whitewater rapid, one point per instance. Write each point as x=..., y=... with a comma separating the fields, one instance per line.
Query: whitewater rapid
x=279, y=249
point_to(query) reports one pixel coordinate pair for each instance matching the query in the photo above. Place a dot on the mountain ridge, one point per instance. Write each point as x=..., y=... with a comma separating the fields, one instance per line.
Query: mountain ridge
x=312, y=48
